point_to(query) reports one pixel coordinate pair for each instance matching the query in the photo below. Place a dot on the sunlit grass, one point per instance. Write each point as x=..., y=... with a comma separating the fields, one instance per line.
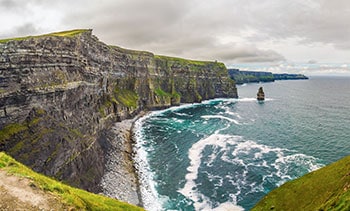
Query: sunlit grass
x=325, y=189
x=69, y=33
x=71, y=197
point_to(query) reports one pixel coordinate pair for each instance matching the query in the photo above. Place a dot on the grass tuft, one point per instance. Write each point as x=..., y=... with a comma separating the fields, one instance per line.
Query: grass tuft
x=126, y=97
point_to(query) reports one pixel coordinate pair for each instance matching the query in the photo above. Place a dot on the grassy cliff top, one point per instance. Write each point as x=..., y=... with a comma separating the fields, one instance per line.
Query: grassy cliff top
x=187, y=61
x=75, y=32
x=64, y=194
x=325, y=189
x=69, y=33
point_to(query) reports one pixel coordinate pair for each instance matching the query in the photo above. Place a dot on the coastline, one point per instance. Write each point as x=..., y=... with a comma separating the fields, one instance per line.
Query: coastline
x=121, y=180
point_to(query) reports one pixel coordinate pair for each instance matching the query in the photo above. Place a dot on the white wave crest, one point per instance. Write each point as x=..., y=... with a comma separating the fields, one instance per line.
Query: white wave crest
x=248, y=155
x=201, y=202
x=220, y=117
x=150, y=197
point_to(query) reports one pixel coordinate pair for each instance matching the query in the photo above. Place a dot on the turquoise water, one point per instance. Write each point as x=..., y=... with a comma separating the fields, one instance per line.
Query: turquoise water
x=228, y=153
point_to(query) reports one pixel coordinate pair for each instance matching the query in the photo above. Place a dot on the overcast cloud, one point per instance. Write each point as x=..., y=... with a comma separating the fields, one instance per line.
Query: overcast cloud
x=232, y=31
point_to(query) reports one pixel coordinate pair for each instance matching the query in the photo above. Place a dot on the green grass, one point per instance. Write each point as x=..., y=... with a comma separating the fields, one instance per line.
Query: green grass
x=174, y=95
x=185, y=61
x=10, y=130
x=161, y=93
x=69, y=33
x=325, y=189
x=126, y=97
x=72, y=197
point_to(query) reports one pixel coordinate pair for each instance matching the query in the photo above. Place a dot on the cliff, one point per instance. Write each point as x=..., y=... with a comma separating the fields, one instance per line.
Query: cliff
x=242, y=77
x=285, y=76
x=61, y=93
x=325, y=189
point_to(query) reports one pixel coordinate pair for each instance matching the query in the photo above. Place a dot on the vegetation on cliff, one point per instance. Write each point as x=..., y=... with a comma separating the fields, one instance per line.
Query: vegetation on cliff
x=242, y=77
x=66, y=195
x=325, y=189
x=69, y=33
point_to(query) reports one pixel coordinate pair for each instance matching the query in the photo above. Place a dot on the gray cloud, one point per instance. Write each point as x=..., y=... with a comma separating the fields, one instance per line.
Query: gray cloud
x=27, y=28
x=256, y=30
x=8, y=4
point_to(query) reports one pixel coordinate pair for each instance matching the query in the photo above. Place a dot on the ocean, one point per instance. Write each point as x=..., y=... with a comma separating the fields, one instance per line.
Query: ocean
x=226, y=154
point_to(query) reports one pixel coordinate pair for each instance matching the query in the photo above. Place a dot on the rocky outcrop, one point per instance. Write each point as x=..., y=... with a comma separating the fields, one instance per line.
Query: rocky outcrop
x=60, y=94
x=260, y=95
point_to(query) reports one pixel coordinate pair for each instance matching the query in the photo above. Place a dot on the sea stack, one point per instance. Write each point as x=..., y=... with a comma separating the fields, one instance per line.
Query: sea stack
x=261, y=94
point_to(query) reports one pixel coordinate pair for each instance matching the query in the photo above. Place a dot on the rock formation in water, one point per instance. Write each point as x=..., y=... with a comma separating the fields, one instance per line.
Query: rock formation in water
x=260, y=94
x=60, y=94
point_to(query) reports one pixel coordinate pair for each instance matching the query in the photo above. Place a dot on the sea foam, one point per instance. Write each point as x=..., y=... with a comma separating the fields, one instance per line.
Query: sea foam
x=150, y=197
x=201, y=202
x=248, y=156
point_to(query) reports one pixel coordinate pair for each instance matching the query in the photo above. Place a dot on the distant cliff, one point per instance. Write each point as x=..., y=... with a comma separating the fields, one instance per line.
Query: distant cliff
x=61, y=92
x=242, y=77
x=285, y=76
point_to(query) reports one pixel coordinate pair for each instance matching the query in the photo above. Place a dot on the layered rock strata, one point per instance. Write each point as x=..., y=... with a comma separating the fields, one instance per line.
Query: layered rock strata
x=60, y=95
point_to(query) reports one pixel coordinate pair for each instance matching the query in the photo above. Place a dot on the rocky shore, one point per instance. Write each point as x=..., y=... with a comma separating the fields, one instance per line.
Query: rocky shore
x=120, y=180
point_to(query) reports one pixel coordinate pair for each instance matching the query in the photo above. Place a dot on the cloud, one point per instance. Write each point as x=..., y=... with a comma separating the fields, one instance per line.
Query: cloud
x=340, y=69
x=27, y=28
x=8, y=4
x=224, y=30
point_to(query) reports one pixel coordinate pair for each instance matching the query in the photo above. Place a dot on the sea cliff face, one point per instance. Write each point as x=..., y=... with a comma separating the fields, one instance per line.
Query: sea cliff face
x=242, y=77
x=60, y=94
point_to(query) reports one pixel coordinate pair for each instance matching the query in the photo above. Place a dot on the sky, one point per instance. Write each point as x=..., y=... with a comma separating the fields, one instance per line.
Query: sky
x=302, y=36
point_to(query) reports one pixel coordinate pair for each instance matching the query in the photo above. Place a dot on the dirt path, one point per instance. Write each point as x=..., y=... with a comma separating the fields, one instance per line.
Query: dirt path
x=18, y=193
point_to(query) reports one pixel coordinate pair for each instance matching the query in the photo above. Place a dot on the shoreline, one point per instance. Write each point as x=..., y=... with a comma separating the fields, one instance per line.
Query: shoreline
x=121, y=179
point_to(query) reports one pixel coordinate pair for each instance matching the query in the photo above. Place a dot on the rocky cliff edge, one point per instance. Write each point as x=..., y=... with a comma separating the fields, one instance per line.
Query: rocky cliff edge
x=61, y=93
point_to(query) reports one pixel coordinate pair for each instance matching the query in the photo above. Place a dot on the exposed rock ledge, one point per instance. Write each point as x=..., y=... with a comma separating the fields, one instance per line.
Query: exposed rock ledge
x=60, y=95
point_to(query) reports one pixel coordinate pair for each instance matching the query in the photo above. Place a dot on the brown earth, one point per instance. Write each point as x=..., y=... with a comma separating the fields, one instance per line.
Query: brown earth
x=19, y=193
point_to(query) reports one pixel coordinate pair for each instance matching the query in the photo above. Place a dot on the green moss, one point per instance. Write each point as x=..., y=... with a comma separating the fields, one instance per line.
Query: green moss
x=161, y=93
x=102, y=111
x=176, y=95
x=17, y=147
x=126, y=97
x=325, y=189
x=76, y=133
x=71, y=197
x=185, y=61
x=69, y=33
x=10, y=130
x=132, y=52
